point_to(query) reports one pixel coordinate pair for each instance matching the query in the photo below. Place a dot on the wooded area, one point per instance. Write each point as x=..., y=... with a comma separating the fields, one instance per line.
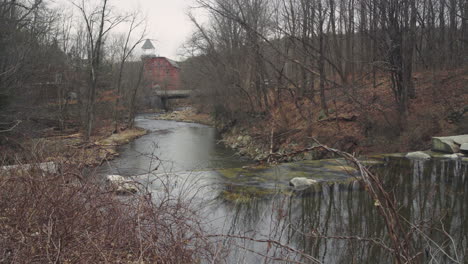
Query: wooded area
x=67, y=67
x=331, y=59
x=338, y=91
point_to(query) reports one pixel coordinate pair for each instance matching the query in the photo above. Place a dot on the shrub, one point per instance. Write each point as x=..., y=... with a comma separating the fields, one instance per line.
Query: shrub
x=62, y=217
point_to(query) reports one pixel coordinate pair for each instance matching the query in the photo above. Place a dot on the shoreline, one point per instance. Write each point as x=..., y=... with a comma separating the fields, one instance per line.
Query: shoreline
x=73, y=149
x=245, y=144
x=187, y=115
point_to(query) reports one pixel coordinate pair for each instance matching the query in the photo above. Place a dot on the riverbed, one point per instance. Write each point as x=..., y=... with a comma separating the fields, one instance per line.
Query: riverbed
x=324, y=222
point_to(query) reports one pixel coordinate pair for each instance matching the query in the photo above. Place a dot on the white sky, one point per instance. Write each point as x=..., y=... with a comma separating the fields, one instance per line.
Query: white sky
x=168, y=25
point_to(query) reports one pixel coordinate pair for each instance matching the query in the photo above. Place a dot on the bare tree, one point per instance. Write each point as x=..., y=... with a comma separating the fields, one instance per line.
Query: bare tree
x=135, y=22
x=98, y=23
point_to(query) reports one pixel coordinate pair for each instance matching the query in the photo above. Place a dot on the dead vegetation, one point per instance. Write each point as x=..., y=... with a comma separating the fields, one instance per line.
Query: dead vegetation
x=187, y=115
x=365, y=123
x=71, y=147
x=68, y=217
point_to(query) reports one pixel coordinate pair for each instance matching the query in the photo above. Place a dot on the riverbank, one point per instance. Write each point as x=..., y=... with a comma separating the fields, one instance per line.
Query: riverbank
x=238, y=138
x=366, y=124
x=72, y=148
x=188, y=115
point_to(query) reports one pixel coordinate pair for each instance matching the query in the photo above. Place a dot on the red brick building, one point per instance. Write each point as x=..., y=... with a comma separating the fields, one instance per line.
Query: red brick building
x=160, y=72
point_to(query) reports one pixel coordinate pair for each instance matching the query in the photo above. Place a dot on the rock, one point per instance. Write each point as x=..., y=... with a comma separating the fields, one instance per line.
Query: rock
x=50, y=167
x=122, y=185
x=243, y=152
x=451, y=156
x=418, y=155
x=308, y=156
x=301, y=182
x=464, y=148
x=246, y=140
x=448, y=144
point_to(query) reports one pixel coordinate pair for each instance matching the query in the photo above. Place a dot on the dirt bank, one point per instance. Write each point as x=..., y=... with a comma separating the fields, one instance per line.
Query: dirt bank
x=73, y=149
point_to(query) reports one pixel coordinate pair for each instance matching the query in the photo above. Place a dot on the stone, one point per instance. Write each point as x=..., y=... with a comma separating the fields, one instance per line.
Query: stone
x=50, y=167
x=246, y=140
x=122, y=185
x=301, y=182
x=464, y=148
x=448, y=144
x=308, y=156
x=418, y=155
x=451, y=156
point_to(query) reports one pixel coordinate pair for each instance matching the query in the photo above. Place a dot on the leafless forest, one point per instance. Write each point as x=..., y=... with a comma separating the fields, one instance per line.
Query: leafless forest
x=68, y=69
x=361, y=77
x=394, y=69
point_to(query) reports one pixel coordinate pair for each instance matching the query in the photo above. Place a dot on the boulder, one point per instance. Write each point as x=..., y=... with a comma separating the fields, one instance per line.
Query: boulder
x=418, y=155
x=448, y=144
x=122, y=185
x=301, y=182
x=464, y=148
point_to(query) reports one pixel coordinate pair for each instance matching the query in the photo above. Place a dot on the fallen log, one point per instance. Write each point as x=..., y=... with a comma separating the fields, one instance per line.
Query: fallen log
x=340, y=118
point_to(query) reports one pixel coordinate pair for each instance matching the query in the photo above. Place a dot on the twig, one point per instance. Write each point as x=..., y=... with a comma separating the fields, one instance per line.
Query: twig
x=11, y=128
x=269, y=241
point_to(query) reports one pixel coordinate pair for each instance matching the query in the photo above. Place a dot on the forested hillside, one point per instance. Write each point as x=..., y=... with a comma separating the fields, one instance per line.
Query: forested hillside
x=365, y=76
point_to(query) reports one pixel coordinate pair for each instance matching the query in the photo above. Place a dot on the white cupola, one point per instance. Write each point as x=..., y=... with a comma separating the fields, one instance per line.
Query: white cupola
x=148, y=49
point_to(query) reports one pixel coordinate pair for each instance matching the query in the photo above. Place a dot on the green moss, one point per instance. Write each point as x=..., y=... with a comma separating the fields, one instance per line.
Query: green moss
x=322, y=170
x=235, y=197
x=395, y=155
x=369, y=162
x=245, y=194
x=341, y=168
x=230, y=173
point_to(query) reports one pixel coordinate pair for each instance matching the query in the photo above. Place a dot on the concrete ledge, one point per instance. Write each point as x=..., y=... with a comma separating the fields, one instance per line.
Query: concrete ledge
x=448, y=144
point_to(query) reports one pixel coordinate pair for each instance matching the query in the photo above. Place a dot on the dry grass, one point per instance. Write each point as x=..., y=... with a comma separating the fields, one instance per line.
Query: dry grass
x=188, y=115
x=62, y=218
x=72, y=147
x=123, y=137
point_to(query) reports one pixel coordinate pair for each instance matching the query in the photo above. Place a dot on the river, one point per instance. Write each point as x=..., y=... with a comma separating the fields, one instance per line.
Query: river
x=326, y=223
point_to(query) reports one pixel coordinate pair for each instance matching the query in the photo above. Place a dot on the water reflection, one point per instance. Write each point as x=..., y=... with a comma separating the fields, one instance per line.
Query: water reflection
x=333, y=225
x=173, y=146
x=336, y=223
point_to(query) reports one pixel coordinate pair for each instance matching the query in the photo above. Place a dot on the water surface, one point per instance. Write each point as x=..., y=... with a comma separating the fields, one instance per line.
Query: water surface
x=326, y=222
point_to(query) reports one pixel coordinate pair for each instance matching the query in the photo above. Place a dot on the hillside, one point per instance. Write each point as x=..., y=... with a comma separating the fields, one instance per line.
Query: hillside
x=365, y=121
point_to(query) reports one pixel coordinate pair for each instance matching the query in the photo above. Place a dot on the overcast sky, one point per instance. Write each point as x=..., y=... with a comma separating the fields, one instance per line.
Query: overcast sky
x=168, y=23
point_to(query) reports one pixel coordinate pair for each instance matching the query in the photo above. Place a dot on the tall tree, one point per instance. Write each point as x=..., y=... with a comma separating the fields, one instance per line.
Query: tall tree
x=98, y=22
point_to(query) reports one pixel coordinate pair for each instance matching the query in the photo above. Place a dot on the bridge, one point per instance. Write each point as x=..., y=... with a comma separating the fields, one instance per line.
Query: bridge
x=172, y=94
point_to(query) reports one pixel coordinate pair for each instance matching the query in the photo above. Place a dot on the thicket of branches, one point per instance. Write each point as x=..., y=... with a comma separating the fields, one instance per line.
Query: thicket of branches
x=253, y=53
x=68, y=217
